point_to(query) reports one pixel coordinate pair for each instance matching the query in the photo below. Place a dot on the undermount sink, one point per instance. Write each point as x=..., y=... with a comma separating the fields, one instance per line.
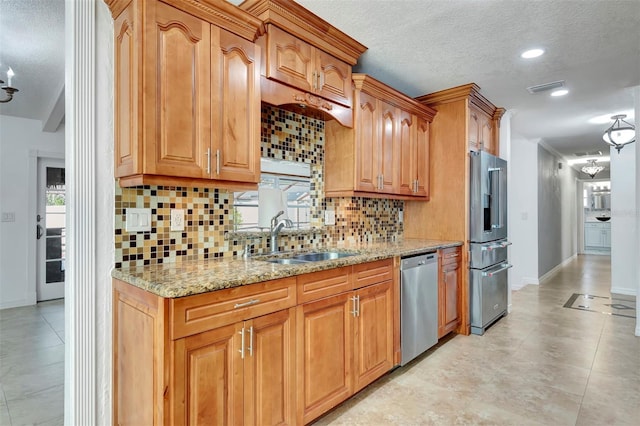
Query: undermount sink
x=285, y=261
x=292, y=259
x=603, y=218
x=319, y=256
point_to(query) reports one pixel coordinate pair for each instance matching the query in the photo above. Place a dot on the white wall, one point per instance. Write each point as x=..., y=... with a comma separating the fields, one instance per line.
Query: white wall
x=523, y=211
x=624, y=221
x=18, y=137
x=636, y=95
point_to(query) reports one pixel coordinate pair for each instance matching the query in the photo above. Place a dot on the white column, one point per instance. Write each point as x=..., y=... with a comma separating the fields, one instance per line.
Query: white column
x=80, y=319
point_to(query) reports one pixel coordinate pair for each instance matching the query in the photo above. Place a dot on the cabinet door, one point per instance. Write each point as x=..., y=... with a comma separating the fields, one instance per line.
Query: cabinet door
x=208, y=372
x=407, y=152
x=290, y=60
x=323, y=358
x=387, y=153
x=269, y=374
x=235, y=108
x=422, y=158
x=450, y=284
x=486, y=134
x=126, y=145
x=177, y=114
x=474, y=128
x=334, y=79
x=373, y=334
x=366, y=126
x=606, y=237
x=592, y=235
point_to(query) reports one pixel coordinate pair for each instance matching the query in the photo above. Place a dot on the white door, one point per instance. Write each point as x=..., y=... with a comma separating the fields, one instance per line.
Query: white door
x=50, y=229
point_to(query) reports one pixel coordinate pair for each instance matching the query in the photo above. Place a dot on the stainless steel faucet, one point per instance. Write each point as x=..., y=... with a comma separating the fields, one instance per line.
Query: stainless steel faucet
x=276, y=226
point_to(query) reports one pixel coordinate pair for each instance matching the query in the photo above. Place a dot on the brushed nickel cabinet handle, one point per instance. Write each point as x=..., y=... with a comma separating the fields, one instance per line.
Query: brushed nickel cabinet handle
x=251, y=341
x=249, y=303
x=208, y=161
x=217, y=161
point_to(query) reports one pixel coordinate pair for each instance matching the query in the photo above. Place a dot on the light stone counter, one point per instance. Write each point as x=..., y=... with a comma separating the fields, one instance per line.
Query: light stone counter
x=200, y=276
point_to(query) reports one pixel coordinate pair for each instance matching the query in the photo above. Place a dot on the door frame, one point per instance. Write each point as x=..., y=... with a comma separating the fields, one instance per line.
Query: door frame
x=32, y=209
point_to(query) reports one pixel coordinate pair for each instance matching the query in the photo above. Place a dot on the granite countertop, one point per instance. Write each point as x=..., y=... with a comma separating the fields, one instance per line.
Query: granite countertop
x=186, y=278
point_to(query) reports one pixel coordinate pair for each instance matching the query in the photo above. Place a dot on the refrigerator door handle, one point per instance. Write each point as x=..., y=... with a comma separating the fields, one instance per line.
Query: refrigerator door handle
x=497, y=197
x=503, y=267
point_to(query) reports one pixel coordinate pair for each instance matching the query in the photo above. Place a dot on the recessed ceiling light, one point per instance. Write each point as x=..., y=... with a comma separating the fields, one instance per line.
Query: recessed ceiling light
x=532, y=53
x=560, y=92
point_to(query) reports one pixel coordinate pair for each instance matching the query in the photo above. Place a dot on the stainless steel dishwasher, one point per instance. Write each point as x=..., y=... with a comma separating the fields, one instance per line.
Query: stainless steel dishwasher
x=418, y=304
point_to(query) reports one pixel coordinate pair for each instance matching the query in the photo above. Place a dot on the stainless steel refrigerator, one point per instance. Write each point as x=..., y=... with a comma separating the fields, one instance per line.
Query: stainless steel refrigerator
x=488, y=262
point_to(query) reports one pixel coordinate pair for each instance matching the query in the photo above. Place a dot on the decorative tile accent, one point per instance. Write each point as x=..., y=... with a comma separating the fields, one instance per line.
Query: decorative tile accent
x=208, y=215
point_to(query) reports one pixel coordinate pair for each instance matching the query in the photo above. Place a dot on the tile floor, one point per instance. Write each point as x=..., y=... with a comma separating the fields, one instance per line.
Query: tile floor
x=32, y=364
x=543, y=364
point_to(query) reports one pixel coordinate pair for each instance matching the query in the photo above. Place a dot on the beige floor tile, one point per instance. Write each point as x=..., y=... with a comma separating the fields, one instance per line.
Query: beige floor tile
x=41, y=407
x=610, y=400
x=19, y=384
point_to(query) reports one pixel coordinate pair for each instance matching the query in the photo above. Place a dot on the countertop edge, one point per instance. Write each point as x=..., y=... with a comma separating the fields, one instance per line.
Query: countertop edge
x=196, y=277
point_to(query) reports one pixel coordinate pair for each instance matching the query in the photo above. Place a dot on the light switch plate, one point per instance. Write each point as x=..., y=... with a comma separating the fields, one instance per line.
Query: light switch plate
x=177, y=219
x=138, y=220
x=329, y=217
x=8, y=216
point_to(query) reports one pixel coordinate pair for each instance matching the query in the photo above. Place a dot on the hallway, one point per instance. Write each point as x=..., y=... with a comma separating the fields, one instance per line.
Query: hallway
x=543, y=364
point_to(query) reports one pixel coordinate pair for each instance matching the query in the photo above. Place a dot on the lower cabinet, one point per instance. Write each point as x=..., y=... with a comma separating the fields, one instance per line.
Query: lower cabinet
x=449, y=290
x=217, y=383
x=597, y=236
x=345, y=342
x=252, y=355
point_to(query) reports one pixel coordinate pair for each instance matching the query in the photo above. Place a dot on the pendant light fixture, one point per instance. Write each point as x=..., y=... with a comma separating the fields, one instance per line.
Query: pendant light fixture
x=592, y=169
x=620, y=133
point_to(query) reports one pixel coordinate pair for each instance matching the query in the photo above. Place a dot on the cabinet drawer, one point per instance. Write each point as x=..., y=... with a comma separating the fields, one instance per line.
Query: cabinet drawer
x=323, y=284
x=194, y=314
x=370, y=273
x=450, y=255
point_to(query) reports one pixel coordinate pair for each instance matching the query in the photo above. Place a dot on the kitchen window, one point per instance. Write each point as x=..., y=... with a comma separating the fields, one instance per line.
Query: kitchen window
x=297, y=196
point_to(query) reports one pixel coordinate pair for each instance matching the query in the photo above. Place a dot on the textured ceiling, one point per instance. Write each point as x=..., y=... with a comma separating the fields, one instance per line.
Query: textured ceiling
x=422, y=46
x=32, y=44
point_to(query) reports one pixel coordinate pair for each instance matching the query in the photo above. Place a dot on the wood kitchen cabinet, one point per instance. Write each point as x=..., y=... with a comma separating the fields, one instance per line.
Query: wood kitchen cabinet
x=449, y=290
x=346, y=340
x=225, y=357
x=301, y=65
x=463, y=116
x=187, y=95
x=482, y=135
x=306, y=62
x=217, y=383
x=386, y=154
x=277, y=352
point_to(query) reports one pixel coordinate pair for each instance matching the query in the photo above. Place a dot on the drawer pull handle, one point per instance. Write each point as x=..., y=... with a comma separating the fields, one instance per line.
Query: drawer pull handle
x=453, y=255
x=249, y=303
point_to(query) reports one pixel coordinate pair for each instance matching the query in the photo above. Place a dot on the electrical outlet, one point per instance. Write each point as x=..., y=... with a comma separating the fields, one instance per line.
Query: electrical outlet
x=400, y=216
x=329, y=217
x=138, y=220
x=177, y=219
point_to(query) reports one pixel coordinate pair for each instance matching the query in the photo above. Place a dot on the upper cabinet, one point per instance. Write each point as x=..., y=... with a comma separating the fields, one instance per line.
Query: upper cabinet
x=187, y=94
x=386, y=153
x=299, y=64
x=306, y=62
x=482, y=117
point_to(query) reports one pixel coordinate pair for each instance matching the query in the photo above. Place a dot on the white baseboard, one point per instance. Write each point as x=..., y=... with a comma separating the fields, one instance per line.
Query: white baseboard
x=624, y=290
x=638, y=329
x=555, y=270
x=524, y=282
x=16, y=303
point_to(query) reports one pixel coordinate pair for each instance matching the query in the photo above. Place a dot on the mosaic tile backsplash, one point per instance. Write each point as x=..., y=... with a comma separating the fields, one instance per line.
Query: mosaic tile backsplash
x=209, y=213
